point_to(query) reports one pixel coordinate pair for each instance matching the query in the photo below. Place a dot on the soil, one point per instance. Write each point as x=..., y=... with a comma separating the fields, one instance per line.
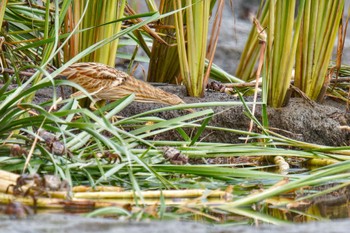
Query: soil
x=300, y=119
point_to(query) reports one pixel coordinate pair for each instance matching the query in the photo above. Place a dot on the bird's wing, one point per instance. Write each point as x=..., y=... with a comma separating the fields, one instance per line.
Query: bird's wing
x=95, y=74
x=111, y=76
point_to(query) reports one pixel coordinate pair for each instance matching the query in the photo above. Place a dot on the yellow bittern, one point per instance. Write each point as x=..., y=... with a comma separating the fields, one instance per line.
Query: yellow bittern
x=106, y=83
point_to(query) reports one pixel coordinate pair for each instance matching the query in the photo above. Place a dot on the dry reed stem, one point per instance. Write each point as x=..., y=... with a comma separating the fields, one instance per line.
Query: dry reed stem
x=9, y=176
x=108, y=196
x=4, y=184
x=97, y=189
x=88, y=204
x=150, y=194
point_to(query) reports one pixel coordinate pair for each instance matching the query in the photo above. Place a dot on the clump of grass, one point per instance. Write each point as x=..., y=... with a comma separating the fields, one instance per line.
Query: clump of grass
x=315, y=46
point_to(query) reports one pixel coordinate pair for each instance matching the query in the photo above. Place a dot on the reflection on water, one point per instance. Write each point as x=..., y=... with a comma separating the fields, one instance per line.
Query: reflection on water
x=309, y=204
x=325, y=202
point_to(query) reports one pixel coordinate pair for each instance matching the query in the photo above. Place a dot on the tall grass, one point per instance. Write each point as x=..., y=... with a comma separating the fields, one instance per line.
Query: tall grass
x=315, y=46
x=282, y=41
x=305, y=40
x=101, y=20
x=192, y=43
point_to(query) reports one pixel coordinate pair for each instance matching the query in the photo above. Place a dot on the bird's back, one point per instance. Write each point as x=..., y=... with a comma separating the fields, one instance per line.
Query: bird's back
x=94, y=76
x=111, y=84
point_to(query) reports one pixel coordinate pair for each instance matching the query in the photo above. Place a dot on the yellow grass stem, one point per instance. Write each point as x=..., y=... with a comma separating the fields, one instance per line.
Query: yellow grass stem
x=320, y=162
x=97, y=189
x=3, y=4
x=191, y=193
x=81, y=193
x=315, y=45
x=282, y=41
x=98, y=13
x=9, y=176
x=88, y=204
x=4, y=184
x=181, y=45
x=107, y=196
x=41, y=202
x=192, y=43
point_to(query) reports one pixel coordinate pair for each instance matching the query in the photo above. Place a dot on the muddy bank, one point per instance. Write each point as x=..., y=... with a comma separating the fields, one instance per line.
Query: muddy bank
x=300, y=120
x=314, y=123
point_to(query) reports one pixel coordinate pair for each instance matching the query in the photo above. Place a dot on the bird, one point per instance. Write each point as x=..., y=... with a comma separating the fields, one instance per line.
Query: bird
x=107, y=83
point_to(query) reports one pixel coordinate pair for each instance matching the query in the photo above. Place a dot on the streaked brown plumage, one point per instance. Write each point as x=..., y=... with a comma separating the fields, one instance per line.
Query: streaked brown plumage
x=107, y=83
